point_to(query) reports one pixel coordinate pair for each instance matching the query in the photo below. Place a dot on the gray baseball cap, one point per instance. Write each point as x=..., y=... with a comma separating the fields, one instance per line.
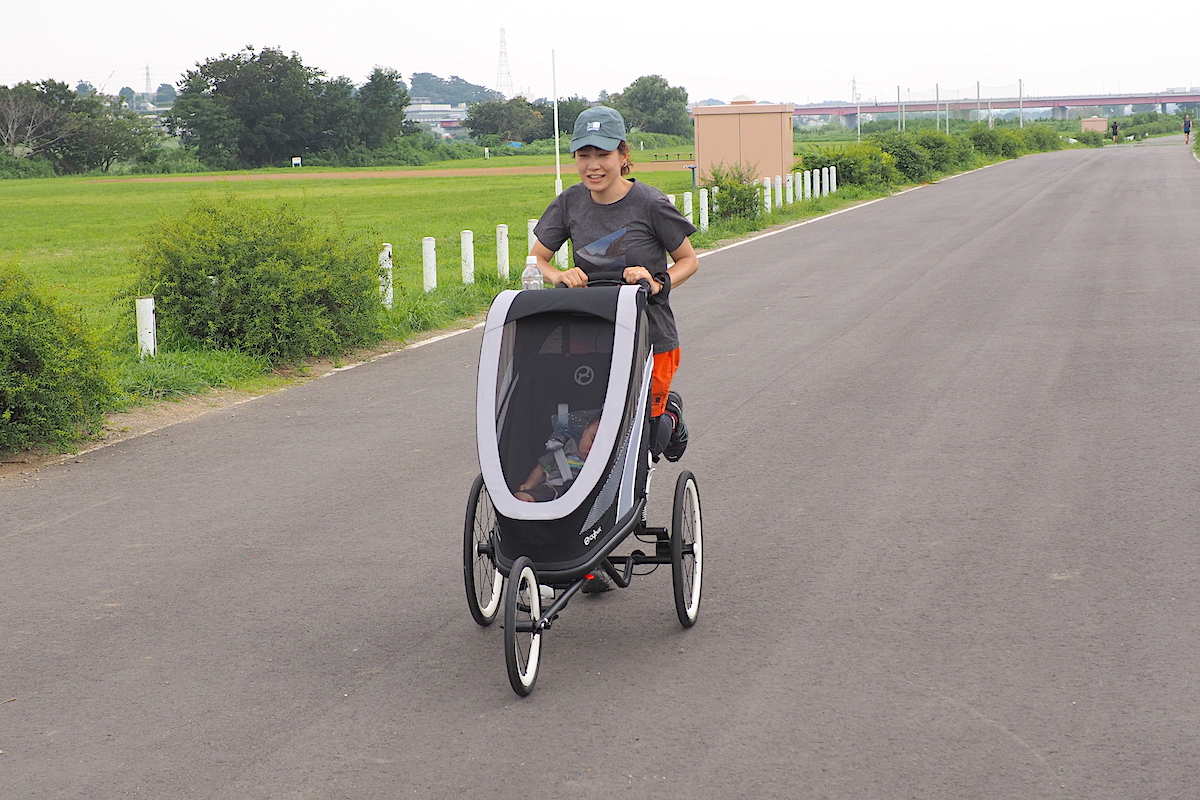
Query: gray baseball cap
x=598, y=126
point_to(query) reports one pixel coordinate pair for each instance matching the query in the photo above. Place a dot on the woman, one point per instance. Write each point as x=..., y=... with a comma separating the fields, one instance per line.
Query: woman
x=616, y=223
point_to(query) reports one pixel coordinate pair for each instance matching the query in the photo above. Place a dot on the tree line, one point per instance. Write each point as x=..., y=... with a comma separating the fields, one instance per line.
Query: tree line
x=649, y=104
x=257, y=108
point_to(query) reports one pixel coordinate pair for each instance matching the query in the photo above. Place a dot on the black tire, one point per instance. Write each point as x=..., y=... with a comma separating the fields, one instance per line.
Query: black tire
x=484, y=584
x=687, y=549
x=522, y=609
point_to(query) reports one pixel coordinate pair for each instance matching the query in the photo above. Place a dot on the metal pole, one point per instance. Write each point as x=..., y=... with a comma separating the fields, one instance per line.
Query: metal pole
x=557, y=156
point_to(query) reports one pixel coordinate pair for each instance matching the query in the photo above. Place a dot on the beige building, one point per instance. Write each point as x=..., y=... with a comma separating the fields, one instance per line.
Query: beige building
x=756, y=136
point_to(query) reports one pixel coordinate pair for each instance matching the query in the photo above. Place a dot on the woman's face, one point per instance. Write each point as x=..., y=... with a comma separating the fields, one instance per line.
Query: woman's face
x=599, y=169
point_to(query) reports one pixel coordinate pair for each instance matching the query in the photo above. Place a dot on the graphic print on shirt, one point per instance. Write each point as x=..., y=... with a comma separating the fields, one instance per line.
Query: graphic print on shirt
x=607, y=253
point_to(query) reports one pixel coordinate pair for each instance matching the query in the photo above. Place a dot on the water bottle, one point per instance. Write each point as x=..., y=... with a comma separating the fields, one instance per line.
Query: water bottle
x=531, y=278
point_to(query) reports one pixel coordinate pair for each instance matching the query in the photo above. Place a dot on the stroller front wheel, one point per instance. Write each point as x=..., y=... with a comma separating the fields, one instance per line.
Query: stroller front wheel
x=687, y=549
x=522, y=639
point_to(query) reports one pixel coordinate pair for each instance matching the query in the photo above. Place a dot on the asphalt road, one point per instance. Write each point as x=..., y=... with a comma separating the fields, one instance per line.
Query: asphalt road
x=947, y=449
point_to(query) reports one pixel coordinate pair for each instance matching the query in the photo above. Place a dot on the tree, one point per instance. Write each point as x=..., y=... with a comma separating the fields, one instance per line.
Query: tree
x=165, y=94
x=33, y=116
x=127, y=94
x=650, y=104
x=249, y=109
x=513, y=120
x=381, y=103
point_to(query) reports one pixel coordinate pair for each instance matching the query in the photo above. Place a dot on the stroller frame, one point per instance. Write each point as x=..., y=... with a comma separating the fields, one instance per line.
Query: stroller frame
x=516, y=552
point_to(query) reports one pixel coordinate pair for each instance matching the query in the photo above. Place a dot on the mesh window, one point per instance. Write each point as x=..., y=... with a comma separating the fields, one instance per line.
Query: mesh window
x=546, y=360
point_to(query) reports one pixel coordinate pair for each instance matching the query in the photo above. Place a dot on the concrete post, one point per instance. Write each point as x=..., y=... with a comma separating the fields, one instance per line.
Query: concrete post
x=778, y=191
x=467, y=240
x=687, y=207
x=832, y=179
x=704, y=209
x=429, y=262
x=385, y=276
x=766, y=195
x=789, y=191
x=147, y=326
x=502, y=251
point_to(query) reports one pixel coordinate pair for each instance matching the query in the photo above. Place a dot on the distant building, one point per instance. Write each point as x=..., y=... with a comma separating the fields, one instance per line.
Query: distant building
x=442, y=119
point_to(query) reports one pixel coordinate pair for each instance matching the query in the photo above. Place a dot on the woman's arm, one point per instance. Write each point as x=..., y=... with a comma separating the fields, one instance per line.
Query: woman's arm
x=685, y=266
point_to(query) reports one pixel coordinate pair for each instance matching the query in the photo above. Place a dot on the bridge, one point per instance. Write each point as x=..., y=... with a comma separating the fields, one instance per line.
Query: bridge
x=1060, y=104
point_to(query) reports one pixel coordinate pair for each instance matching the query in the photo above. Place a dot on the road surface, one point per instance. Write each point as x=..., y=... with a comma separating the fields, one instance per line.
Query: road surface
x=947, y=449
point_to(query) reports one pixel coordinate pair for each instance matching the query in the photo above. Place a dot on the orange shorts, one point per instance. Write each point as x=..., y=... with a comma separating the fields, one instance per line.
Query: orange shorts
x=665, y=365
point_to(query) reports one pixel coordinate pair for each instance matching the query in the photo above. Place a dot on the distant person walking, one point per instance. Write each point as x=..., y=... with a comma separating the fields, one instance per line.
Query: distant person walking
x=1115, y=129
x=1187, y=129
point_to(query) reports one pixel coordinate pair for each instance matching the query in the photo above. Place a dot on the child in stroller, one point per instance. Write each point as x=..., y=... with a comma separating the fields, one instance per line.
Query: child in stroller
x=566, y=451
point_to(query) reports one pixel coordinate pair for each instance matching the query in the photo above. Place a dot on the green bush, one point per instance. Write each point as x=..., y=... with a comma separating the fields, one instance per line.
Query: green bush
x=737, y=191
x=25, y=167
x=1040, y=138
x=947, y=153
x=857, y=165
x=261, y=279
x=53, y=388
x=913, y=161
x=1092, y=138
x=985, y=140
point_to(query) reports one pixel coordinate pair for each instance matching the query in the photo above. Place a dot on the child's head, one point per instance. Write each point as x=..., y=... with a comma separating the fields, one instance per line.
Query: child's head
x=589, y=436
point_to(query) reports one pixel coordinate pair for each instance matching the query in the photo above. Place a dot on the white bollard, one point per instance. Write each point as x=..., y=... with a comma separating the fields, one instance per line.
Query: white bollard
x=385, y=276
x=147, y=327
x=467, y=240
x=671, y=197
x=429, y=262
x=824, y=181
x=789, y=191
x=562, y=256
x=502, y=252
x=704, y=209
x=529, y=235
x=832, y=180
x=687, y=206
x=766, y=195
x=808, y=184
x=778, y=191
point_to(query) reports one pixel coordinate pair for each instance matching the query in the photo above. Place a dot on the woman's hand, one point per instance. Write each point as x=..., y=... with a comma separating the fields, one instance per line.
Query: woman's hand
x=573, y=278
x=635, y=274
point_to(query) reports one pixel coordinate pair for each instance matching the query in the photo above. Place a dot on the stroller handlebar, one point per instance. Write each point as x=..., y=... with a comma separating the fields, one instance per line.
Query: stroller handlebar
x=608, y=277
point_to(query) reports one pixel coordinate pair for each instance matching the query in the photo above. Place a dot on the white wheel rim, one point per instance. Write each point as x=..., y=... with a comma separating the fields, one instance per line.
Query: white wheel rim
x=692, y=516
x=527, y=590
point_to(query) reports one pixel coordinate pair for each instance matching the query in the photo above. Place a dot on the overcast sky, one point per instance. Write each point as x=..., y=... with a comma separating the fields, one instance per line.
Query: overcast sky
x=798, y=53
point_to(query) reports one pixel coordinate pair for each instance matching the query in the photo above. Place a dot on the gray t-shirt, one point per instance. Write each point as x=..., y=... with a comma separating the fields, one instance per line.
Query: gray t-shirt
x=639, y=230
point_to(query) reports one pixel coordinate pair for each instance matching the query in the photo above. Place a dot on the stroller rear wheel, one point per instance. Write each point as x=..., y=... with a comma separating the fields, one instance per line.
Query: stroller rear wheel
x=484, y=583
x=687, y=549
x=522, y=639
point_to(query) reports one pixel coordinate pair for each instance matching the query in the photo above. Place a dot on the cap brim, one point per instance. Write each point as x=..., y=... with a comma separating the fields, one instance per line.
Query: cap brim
x=605, y=143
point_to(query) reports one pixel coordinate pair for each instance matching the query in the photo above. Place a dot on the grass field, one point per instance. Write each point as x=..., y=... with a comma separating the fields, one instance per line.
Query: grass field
x=78, y=235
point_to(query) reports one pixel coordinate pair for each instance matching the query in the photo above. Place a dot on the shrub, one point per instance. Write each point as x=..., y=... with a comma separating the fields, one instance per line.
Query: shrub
x=261, y=279
x=947, y=153
x=985, y=140
x=913, y=161
x=53, y=388
x=857, y=164
x=1092, y=138
x=737, y=191
x=1040, y=138
x=25, y=167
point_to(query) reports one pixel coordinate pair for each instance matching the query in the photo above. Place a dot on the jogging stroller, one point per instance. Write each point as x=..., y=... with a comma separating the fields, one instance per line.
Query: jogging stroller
x=554, y=364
